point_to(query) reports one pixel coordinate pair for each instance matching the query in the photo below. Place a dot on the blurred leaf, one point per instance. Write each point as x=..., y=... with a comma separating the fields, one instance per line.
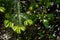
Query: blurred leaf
x=25, y=22
x=7, y=15
x=37, y=5
x=47, y=3
x=11, y=24
x=28, y=22
x=6, y=23
x=23, y=28
x=2, y=9
x=16, y=29
x=46, y=23
x=49, y=16
x=31, y=8
x=51, y=36
x=57, y=1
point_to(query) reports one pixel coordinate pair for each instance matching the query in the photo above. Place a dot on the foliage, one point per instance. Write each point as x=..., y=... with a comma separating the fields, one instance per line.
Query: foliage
x=30, y=18
x=2, y=9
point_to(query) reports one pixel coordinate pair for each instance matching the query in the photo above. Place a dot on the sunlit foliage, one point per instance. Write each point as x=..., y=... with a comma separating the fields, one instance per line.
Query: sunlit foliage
x=34, y=19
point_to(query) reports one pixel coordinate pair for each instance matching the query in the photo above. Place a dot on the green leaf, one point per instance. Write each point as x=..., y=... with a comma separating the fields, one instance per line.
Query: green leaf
x=11, y=24
x=28, y=22
x=31, y=8
x=46, y=23
x=2, y=9
x=6, y=23
x=25, y=22
x=50, y=16
x=7, y=15
x=23, y=28
x=16, y=29
x=47, y=2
